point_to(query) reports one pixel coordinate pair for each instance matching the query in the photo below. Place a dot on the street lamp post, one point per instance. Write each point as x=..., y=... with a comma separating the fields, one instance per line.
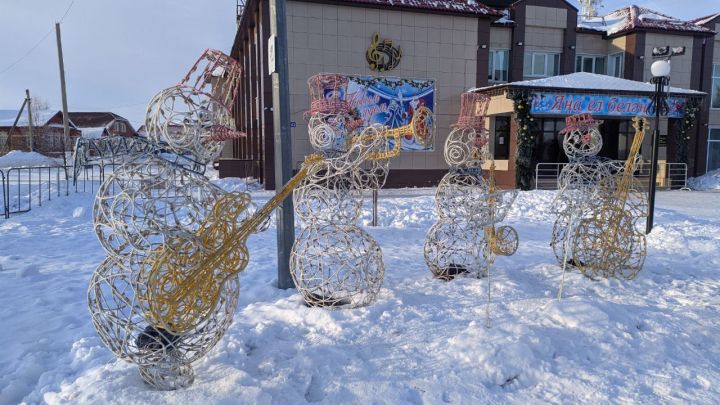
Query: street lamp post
x=661, y=78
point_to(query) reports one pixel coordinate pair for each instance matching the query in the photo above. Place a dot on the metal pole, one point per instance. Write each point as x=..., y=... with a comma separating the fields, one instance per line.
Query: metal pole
x=66, y=129
x=30, y=118
x=281, y=125
x=655, y=149
x=374, y=220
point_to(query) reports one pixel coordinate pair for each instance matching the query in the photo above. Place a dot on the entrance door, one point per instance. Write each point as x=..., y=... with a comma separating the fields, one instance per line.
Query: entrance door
x=713, y=153
x=610, y=130
x=548, y=141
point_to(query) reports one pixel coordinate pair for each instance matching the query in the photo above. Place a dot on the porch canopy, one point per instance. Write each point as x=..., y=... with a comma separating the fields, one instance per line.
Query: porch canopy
x=599, y=95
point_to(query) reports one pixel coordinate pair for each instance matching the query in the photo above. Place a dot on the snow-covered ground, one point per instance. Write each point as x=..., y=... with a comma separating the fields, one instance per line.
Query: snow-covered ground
x=17, y=158
x=708, y=181
x=653, y=340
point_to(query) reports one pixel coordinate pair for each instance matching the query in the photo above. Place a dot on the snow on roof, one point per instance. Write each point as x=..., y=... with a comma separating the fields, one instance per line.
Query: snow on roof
x=456, y=6
x=505, y=19
x=590, y=81
x=633, y=17
x=93, y=132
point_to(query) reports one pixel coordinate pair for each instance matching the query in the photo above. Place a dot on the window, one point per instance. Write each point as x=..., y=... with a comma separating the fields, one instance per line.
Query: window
x=541, y=64
x=590, y=64
x=713, y=153
x=715, y=91
x=501, y=149
x=616, y=64
x=119, y=126
x=498, y=69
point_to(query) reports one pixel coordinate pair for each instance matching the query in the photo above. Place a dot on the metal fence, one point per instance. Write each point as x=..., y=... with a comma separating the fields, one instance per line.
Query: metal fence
x=671, y=176
x=25, y=187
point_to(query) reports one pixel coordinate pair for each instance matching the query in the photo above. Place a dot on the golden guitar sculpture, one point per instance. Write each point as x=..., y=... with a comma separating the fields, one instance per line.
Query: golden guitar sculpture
x=183, y=279
x=607, y=243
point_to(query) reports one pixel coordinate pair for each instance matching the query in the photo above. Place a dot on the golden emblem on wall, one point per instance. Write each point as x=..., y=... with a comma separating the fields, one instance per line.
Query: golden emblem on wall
x=382, y=55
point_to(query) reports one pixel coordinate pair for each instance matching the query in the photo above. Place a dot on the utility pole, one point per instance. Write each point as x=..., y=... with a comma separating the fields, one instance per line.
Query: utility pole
x=278, y=69
x=30, y=119
x=66, y=129
x=8, y=144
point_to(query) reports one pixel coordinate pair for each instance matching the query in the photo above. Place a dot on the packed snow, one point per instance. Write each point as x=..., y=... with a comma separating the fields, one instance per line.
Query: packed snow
x=708, y=181
x=651, y=340
x=93, y=132
x=17, y=158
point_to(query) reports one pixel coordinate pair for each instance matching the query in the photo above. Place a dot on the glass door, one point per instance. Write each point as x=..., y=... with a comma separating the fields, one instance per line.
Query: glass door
x=713, y=153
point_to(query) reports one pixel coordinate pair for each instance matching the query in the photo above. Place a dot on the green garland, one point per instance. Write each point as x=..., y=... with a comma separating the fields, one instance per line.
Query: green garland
x=525, y=142
x=687, y=122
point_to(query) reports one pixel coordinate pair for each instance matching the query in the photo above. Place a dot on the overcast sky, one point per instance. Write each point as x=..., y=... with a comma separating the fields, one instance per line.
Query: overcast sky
x=118, y=53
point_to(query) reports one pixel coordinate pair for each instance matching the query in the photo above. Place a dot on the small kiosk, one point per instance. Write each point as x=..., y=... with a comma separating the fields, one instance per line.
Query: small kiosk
x=525, y=119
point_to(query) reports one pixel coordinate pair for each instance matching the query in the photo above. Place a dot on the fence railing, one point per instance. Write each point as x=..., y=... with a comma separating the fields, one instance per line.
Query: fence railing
x=25, y=187
x=670, y=176
x=4, y=196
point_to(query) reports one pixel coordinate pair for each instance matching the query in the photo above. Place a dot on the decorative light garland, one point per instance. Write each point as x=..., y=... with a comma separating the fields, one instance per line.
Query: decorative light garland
x=525, y=140
x=686, y=123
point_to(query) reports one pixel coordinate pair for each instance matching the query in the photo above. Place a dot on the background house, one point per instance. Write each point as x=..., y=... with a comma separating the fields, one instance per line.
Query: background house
x=95, y=124
x=48, y=137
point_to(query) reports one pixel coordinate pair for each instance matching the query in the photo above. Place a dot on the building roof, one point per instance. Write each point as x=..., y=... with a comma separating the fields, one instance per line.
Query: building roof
x=590, y=81
x=473, y=7
x=634, y=18
x=706, y=19
x=92, y=119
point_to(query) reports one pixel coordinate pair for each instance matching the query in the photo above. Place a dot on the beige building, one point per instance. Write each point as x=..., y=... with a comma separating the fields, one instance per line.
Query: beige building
x=463, y=45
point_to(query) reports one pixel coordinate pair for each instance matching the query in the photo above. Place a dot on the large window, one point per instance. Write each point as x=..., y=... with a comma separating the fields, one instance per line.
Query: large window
x=715, y=91
x=502, y=138
x=616, y=64
x=590, y=64
x=713, y=153
x=498, y=69
x=541, y=64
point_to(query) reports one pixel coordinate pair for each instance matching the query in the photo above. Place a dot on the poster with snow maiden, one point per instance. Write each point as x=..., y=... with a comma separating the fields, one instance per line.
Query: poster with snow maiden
x=392, y=102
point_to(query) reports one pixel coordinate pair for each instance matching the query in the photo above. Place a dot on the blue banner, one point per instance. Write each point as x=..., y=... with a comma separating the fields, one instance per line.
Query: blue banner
x=598, y=105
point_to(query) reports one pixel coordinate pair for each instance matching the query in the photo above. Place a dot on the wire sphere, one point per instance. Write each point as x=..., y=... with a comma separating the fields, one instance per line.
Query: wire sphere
x=121, y=323
x=188, y=122
x=146, y=199
x=583, y=142
x=327, y=132
x=464, y=147
x=454, y=247
x=592, y=257
x=337, y=266
x=462, y=195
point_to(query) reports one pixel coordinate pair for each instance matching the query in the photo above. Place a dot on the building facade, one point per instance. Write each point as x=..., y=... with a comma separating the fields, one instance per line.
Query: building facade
x=468, y=45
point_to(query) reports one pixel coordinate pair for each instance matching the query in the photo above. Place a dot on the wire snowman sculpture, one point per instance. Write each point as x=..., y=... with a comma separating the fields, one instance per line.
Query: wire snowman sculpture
x=334, y=262
x=598, y=205
x=153, y=198
x=465, y=240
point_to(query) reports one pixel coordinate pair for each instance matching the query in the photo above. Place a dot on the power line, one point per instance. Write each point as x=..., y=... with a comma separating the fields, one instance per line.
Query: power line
x=38, y=42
